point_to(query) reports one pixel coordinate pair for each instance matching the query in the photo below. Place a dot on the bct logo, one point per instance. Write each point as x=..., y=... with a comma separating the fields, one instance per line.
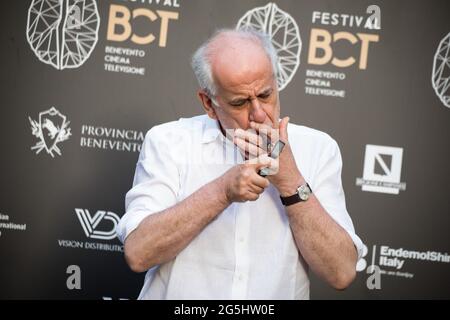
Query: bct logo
x=382, y=170
x=90, y=223
x=51, y=129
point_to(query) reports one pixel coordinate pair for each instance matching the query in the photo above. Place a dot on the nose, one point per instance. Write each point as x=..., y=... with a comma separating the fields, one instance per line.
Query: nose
x=257, y=112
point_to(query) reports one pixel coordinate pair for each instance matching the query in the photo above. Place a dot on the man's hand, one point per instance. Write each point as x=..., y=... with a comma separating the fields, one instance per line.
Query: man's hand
x=242, y=182
x=284, y=175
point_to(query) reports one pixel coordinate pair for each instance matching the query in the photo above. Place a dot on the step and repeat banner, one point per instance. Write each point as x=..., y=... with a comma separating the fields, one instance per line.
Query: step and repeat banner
x=82, y=81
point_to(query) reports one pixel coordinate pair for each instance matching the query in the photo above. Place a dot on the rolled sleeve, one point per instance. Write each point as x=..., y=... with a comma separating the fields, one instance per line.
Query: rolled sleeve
x=329, y=191
x=155, y=185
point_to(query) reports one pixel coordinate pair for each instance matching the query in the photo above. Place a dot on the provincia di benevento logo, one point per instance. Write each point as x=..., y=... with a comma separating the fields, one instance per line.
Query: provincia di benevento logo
x=51, y=128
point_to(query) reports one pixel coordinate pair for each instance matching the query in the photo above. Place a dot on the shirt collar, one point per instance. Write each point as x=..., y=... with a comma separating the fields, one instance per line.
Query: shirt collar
x=211, y=130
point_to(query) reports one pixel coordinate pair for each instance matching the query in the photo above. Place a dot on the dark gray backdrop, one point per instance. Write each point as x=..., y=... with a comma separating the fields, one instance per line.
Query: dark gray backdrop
x=390, y=103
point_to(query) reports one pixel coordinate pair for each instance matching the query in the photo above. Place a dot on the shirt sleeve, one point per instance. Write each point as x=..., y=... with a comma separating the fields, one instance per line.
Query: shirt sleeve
x=327, y=187
x=155, y=185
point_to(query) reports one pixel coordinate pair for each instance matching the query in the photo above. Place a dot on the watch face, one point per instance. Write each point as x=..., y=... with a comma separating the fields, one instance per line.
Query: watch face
x=303, y=192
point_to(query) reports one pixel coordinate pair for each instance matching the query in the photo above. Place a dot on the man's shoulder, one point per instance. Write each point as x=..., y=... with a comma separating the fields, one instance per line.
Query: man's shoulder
x=311, y=146
x=299, y=133
x=177, y=128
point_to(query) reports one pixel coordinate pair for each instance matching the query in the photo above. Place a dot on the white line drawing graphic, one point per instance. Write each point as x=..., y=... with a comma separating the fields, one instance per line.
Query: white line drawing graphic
x=90, y=223
x=63, y=33
x=283, y=30
x=440, y=77
x=51, y=129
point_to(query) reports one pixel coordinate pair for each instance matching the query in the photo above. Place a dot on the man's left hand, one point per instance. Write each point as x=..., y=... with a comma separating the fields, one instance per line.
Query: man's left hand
x=284, y=175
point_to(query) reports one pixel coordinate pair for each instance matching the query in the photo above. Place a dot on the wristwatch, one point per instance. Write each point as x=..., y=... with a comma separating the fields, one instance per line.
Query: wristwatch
x=302, y=194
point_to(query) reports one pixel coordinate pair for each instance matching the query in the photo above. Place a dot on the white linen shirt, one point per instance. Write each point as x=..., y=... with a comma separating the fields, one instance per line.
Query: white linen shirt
x=248, y=251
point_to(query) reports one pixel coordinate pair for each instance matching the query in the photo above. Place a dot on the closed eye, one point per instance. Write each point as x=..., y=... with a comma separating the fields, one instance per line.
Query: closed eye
x=265, y=94
x=238, y=103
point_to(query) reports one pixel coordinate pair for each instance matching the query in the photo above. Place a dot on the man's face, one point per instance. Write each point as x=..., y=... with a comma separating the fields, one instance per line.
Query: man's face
x=246, y=88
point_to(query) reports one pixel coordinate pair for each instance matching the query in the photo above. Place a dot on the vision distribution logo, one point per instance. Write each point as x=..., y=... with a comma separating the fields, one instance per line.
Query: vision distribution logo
x=90, y=223
x=102, y=225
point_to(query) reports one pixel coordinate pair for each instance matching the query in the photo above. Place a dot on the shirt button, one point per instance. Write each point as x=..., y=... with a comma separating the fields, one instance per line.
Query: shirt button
x=241, y=277
x=241, y=239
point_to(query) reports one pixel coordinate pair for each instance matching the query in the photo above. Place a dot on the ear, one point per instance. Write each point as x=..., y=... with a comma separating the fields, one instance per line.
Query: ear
x=207, y=104
x=283, y=129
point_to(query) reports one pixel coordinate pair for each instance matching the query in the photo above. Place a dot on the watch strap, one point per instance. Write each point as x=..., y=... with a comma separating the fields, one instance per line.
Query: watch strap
x=290, y=200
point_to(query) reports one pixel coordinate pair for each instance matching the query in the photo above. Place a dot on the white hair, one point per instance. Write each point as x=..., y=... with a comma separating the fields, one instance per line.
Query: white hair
x=201, y=63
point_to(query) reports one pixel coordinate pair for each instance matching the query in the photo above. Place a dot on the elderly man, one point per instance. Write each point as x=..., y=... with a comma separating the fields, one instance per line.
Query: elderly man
x=205, y=228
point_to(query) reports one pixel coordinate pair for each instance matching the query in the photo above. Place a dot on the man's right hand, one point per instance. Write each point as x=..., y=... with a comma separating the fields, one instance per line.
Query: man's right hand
x=243, y=183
